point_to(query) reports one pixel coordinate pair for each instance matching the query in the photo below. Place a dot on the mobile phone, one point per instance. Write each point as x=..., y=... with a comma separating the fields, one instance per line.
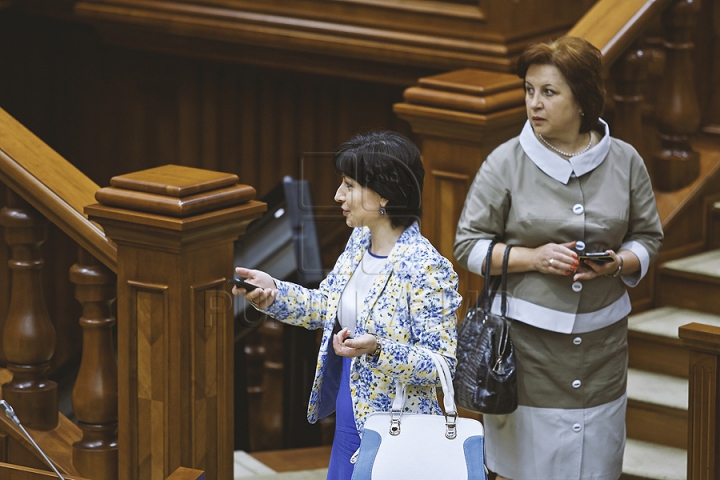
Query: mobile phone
x=240, y=282
x=599, y=257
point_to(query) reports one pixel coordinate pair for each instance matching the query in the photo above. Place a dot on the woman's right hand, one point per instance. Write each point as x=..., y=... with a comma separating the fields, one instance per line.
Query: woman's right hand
x=556, y=258
x=261, y=297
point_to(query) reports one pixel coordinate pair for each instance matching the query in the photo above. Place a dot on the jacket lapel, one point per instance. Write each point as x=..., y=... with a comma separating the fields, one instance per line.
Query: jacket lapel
x=397, y=254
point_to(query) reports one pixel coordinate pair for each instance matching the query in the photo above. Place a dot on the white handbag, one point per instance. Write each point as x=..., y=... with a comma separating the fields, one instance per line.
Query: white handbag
x=397, y=445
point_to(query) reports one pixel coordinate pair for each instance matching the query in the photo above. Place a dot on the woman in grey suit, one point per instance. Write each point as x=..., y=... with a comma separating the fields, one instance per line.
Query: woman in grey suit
x=562, y=189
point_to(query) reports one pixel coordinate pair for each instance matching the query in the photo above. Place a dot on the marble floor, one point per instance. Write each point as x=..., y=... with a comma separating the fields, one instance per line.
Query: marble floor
x=247, y=467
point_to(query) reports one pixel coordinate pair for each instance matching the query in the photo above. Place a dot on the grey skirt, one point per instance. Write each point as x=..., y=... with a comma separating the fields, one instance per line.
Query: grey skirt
x=557, y=370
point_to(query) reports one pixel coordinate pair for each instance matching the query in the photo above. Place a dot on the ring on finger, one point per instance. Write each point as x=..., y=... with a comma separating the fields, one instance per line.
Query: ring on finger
x=551, y=261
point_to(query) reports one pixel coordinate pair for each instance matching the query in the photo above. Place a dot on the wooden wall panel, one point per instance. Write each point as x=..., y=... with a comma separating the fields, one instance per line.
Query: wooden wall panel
x=111, y=111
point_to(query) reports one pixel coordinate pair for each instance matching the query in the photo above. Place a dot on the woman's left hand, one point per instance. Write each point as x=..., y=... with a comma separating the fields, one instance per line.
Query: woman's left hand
x=345, y=346
x=589, y=269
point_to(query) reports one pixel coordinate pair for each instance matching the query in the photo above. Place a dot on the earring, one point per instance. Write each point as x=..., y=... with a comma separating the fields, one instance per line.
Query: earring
x=383, y=211
x=582, y=114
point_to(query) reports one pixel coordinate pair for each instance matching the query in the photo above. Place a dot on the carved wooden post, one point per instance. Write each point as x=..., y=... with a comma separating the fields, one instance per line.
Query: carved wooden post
x=703, y=341
x=95, y=395
x=460, y=117
x=677, y=111
x=630, y=74
x=29, y=335
x=175, y=227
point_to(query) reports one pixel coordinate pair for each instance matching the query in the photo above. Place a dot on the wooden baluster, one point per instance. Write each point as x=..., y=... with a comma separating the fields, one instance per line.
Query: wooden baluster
x=630, y=74
x=677, y=111
x=29, y=335
x=95, y=395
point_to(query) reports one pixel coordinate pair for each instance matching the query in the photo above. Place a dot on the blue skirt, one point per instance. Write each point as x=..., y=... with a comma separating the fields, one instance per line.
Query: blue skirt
x=347, y=439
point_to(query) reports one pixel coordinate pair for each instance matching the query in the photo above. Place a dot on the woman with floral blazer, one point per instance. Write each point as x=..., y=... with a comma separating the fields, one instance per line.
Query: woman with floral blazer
x=390, y=296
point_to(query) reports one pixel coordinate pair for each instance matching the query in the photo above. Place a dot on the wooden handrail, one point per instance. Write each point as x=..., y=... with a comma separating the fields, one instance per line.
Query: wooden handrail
x=52, y=185
x=622, y=23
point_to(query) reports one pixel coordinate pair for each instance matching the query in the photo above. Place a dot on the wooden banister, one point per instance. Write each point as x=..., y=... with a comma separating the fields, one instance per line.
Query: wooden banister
x=613, y=25
x=53, y=186
x=703, y=342
x=16, y=472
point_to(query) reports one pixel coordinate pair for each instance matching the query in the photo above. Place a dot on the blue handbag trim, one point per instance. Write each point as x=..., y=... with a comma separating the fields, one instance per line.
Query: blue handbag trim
x=474, y=448
x=369, y=446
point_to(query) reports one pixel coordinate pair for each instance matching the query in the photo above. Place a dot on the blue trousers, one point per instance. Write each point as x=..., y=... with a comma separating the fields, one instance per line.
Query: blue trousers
x=347, y=439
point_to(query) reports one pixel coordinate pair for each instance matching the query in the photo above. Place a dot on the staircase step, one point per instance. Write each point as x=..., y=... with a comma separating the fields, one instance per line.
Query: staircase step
x=692, y=282
x=653, y=339
x=647, y=461
x=657, y=408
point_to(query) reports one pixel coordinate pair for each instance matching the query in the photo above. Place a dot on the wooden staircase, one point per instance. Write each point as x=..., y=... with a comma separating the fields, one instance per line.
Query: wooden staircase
x=657, y=416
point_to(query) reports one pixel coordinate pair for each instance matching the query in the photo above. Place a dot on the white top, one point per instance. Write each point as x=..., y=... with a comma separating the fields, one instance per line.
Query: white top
x=357, y=289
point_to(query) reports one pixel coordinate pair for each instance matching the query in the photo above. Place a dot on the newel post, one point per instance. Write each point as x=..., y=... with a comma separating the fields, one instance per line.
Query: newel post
x=703, y=343
x=174, y=228
x=459, y=117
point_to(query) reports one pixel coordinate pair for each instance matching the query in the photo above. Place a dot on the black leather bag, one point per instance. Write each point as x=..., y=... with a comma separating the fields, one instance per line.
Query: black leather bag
x=485, y=380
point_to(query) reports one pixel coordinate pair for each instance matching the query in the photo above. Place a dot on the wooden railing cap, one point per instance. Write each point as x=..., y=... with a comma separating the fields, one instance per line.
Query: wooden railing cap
x=470, y=90
x=699, y=336
x=175, y=191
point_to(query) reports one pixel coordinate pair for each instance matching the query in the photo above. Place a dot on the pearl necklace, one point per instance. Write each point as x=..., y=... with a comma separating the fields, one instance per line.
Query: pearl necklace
x=565, y=154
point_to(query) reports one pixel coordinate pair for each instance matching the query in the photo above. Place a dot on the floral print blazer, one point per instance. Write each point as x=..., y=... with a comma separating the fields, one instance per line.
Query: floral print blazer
x=410, y=306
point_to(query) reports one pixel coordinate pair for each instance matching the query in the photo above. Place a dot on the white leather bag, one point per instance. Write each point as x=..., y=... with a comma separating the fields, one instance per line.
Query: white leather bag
x=398, y=445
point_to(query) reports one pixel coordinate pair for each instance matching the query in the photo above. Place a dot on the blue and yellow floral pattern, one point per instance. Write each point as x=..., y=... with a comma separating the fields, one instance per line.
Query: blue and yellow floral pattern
x=411, y=306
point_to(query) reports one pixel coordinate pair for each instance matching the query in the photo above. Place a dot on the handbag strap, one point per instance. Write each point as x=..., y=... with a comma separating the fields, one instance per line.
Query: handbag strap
x=503, y=281
x=486, y=294
x=443, y=371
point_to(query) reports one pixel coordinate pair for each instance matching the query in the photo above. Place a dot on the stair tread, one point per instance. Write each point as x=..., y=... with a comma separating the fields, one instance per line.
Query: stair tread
x=665, y=321
x=649, y=460
x=658, y=389
x=705, y=263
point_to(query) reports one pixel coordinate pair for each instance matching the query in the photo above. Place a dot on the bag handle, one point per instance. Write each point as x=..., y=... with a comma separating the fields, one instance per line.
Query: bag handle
x=503, y=281
x=485, y=294
x=443, y=371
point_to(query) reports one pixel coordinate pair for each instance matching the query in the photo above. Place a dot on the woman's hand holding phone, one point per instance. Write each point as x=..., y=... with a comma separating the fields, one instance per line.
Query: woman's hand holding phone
x=256, y=286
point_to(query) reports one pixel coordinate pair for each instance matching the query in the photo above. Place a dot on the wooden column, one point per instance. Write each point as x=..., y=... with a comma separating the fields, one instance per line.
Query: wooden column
x=703, y=341
x=29, y=335
x=460, y=117
x=175, y=227
x=677, y=110
x=95, y=395
x=630, y=73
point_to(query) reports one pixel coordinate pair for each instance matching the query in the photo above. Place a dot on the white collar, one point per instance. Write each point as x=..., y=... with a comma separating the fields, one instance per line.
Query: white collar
x=560, y=168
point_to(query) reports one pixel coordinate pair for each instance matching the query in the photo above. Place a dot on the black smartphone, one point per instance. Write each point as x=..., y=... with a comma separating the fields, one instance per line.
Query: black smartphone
x=240, y=282
x=599, y=257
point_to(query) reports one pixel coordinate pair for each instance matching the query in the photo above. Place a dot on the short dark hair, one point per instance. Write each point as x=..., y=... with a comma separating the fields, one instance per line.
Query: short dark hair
x=389, y=164
x=580, y=62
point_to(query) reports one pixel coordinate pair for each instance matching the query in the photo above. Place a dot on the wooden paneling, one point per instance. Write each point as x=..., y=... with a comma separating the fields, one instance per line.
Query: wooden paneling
x=352, y=38
x=111, y=110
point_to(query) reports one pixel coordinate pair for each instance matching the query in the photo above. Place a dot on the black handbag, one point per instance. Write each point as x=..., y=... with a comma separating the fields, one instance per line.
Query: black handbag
x=485, y=380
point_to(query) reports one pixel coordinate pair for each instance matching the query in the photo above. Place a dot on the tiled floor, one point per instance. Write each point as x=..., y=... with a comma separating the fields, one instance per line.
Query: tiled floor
x=247, y=467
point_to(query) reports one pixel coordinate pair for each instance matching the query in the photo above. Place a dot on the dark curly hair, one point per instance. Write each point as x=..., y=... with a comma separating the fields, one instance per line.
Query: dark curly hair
x=389, y=164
